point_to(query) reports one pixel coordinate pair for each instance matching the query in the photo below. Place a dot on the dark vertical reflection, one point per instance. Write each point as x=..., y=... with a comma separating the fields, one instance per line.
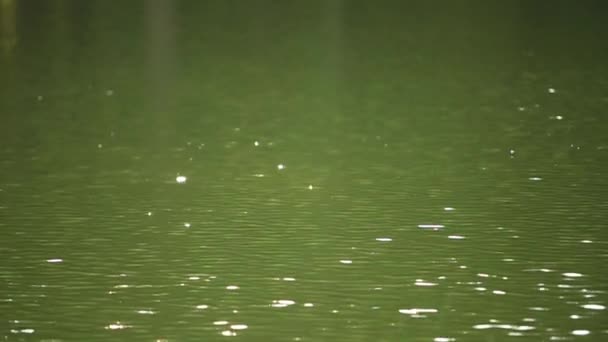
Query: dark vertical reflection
x=161, y=53
x=8, y=26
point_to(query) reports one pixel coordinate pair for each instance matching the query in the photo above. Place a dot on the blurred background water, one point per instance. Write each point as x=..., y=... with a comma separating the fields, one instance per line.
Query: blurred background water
x=303, y=170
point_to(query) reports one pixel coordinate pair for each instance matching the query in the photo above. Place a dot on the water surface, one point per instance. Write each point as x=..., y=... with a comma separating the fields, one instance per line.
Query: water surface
x=353, y=172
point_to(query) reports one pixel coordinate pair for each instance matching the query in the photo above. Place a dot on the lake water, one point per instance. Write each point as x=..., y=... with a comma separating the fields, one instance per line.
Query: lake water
x=303, y=171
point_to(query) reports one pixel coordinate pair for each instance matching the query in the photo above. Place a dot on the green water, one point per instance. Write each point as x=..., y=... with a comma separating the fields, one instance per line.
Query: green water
x=319, y=139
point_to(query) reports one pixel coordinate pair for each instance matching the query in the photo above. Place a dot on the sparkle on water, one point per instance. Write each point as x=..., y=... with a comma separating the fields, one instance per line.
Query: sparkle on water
x=503, y=326
x=593, y=306
x=281, y=303
x=421, y=282
x=117, y=326
x=238, y=326
x=580, y=332
x=146, y=312
x=23, y=331
x=417, y=311
x=431, y=226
